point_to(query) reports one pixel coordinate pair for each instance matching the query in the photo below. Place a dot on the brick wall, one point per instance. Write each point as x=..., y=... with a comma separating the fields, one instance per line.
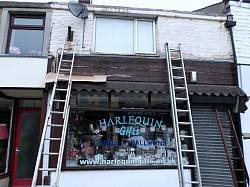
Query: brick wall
x=201, y=36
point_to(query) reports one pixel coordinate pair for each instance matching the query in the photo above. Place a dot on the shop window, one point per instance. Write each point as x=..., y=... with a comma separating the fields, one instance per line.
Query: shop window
x=120, y=139
x=114, y=35
x=87, y=99
x=127, y=133
x=26, y=35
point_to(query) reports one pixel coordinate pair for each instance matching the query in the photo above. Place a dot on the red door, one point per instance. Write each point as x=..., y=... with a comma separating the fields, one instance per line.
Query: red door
x=26, y=147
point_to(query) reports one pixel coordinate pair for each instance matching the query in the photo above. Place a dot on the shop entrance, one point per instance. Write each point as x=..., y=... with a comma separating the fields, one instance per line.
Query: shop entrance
x=26, y=147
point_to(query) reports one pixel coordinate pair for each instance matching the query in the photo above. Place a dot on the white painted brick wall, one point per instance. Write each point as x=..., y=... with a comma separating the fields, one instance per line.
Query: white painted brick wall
x=61, y=19
x=201, y=36
x=241, y=33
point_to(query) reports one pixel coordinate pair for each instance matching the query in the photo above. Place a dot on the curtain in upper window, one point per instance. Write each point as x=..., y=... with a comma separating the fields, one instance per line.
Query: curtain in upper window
x=115, y=35
x=26, y=35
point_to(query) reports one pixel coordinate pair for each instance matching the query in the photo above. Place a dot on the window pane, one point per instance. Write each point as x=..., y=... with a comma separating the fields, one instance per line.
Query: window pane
x=119, y=138
x=27, y=42
x=114, y=35
x=92, y=99
x=160, y=101
x=28, y=21
x=145, y=37
x=129, y=100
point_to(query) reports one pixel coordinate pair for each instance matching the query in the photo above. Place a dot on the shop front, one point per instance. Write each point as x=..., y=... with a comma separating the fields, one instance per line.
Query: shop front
x=123, y=126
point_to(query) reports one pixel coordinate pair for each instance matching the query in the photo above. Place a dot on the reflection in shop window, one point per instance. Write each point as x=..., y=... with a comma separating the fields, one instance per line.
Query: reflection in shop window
x=129, y=100
x=87, y=99
x=120, y=138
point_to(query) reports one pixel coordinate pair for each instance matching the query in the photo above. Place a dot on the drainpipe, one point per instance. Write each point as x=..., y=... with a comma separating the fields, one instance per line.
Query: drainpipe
x=230, y=23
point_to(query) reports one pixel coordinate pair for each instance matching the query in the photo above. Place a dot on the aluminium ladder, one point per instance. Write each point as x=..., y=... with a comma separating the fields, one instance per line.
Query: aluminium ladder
x=58, y=109
x=182, y=119
x=232, y=148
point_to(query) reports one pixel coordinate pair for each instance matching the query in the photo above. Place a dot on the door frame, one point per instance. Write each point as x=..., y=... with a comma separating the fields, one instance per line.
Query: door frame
x=26, y=181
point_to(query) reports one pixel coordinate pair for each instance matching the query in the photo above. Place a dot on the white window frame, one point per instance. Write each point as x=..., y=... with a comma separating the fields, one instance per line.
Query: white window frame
x=135, y=34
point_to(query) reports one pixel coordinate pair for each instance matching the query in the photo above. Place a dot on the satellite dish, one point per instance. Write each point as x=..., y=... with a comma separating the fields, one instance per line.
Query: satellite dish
x=78, y=9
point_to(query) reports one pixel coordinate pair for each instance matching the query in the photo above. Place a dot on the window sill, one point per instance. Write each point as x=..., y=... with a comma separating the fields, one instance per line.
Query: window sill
x=83, y=168
x=128, y=54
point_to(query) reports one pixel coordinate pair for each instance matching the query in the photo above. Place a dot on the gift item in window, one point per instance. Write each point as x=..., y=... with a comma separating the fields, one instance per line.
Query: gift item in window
x=73, y=152
x=88, y=149
x=14, y=50
x=109, y=155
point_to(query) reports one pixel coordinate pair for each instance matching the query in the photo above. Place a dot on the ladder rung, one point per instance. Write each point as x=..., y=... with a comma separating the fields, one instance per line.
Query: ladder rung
x=190, y=166
x=229, y=136
x=185, y=136
x=59, y=100
x=242, y=182
x=47, y=169
x=226, y=126
x=174, y=58
x=50, y=153
x=56, y=112
x=180, y=99
x=178, y=77
x=66, y=60
x=176, y=67
x=52, y=138
x=236, y=158
x=179, y=88
x=181, y=110
x=55, y=125
x=61, y=89
x=188, y=150
x=174, y=50
x=232, y=147
x=192, y=182
x=64, y=69
x=63, y=79
x=184, y=123
x=239, y=169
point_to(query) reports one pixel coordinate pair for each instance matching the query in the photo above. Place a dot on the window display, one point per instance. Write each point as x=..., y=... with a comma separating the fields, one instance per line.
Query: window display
x=135, y=130
x=123, y=138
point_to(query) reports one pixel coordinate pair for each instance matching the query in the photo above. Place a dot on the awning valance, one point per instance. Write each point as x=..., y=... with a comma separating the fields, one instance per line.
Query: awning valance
x=200, y=89
x=146, y=87
x=122, y=86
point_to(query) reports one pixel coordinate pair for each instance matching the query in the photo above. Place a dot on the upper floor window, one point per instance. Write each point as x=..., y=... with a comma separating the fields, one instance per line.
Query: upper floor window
x=26, y=35
x=114, y=35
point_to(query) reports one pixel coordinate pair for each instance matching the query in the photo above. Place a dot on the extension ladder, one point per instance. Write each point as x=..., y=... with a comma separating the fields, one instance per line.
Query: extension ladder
x=182, y=118
x=233, y=150
x=58, y=108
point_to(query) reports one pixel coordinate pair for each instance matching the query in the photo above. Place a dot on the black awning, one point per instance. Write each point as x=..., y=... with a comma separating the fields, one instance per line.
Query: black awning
x=200, y=89
x=217, y=90
x=146, y=87
x=119, y=86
